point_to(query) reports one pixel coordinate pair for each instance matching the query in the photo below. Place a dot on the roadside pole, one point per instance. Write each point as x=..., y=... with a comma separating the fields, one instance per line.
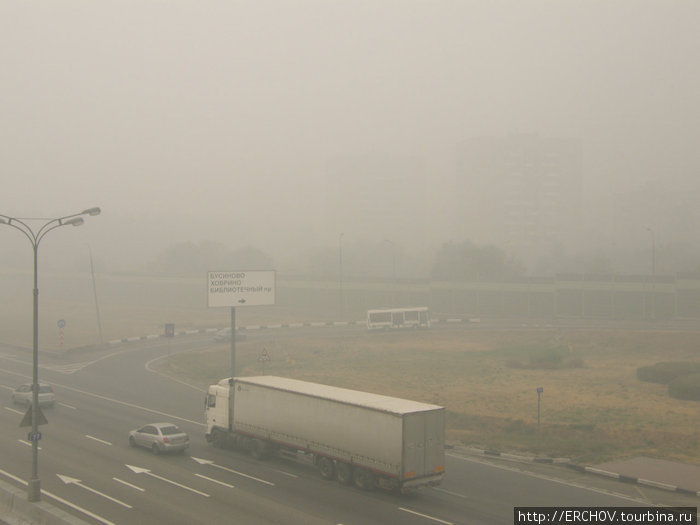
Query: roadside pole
x=233, y=341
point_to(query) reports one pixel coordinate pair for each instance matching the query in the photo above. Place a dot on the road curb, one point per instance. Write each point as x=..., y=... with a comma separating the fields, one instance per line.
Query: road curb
x=277, y=327
x=238, y=328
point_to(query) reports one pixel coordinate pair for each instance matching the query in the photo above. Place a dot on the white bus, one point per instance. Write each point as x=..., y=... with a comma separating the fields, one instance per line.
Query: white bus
x=385, y=318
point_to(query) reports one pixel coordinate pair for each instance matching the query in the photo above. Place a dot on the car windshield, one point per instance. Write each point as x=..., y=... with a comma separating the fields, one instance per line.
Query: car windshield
x=168, y=431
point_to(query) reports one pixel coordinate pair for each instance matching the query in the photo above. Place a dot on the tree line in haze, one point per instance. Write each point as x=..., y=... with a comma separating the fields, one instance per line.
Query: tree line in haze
x=452, y=261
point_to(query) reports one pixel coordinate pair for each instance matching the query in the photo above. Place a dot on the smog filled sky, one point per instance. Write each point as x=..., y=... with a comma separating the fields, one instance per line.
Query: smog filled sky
x=282, y=124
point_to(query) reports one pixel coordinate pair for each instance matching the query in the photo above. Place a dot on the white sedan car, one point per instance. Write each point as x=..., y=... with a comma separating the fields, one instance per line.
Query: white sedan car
x=23, y=395
x=160, y=437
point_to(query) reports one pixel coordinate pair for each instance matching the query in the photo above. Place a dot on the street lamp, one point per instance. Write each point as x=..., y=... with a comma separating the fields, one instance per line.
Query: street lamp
x=35, y=238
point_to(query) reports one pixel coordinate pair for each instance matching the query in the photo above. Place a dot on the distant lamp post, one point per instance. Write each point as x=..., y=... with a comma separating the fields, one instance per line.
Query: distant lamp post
x=539, y=396
x=393, y=271
x=340, y=273
x=653, y=273
x=35, y=237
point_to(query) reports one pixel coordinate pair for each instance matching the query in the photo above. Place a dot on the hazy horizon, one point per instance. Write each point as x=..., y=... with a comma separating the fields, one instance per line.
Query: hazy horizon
x=251, y=123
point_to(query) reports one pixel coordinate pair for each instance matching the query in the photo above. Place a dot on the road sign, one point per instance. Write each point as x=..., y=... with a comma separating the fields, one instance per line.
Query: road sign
x=34, y=436
x=234, y=289
x=27, y=419
x=169, y=330
x=264, y=356
x=61, y=323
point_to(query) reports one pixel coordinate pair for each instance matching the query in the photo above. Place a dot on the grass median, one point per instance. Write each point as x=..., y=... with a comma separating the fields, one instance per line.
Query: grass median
x=592, y=407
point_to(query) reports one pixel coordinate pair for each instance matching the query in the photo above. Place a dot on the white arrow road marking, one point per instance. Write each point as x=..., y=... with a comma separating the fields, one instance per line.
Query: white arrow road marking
x=140, y=470
x=72, y=481
x=210, y=462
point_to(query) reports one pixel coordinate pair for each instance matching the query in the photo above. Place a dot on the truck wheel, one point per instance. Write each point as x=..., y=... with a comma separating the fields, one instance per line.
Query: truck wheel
x=326, y=467
x=257, y=449
x=218, y=438
x=343, y=473
x=241, y=442
x=363, y=479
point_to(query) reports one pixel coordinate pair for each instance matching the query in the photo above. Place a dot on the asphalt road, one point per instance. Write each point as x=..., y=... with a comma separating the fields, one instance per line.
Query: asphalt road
x=87, y=468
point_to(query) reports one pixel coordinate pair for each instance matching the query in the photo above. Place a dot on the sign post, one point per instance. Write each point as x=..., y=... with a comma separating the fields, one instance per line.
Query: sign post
x=169, y=333
x=61, y=325
x=539, y=395
x=241, y=288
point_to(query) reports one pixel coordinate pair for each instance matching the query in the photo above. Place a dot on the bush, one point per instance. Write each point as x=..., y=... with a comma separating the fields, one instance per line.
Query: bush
x=547, y=359
x=685, y=387
x=666, y=372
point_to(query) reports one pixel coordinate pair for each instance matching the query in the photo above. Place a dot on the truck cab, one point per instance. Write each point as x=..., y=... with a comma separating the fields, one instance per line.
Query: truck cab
x=217, y=409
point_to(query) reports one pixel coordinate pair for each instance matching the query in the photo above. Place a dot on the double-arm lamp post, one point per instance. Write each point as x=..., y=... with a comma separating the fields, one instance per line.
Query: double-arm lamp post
x=35, y=238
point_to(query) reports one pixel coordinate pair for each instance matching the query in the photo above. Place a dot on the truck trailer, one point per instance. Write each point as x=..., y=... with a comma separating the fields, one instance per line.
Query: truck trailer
x=359, y=438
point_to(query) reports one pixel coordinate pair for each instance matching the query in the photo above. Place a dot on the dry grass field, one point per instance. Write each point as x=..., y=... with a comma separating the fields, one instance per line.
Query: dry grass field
x=593, y=411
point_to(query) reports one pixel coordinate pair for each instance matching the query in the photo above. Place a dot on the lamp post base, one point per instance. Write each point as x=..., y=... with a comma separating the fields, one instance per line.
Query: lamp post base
x=34, y=493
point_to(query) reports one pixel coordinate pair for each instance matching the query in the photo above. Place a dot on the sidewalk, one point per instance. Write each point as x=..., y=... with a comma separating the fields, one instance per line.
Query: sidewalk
x=671, y=473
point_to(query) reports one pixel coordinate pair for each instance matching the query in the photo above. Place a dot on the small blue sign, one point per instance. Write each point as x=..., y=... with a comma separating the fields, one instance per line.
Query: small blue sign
x=34, y=437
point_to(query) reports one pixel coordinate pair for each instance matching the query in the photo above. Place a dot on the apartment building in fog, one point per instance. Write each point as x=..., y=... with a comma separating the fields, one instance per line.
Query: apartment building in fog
x=522, y=193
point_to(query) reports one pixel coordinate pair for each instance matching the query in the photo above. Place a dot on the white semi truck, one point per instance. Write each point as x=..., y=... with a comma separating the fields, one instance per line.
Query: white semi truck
x=355, y=437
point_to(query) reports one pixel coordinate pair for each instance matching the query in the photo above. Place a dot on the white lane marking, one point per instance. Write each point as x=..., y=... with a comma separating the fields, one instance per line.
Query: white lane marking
x=129, y=484
x=61, y=500
x=78, y=508
x=12, y=476
x=151, y=370
x=141, y=470
x=78, y=483
x=426, y=516
x=26, y=443
x=132, y=405
x=124, y=403
x=68, y=406
x=450, y=493
x=68, y=369
x=209, y=462
x=285, y=473
x=215, y=481
x=15, y=411
x=98, y=440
